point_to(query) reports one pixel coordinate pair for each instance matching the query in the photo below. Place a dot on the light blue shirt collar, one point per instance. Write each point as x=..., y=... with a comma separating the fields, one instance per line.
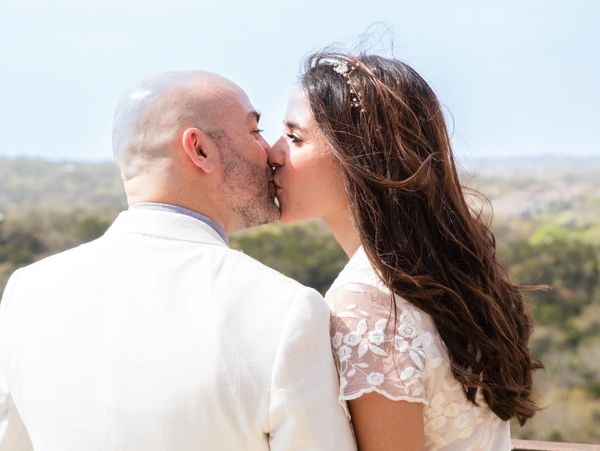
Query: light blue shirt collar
x=157, y=206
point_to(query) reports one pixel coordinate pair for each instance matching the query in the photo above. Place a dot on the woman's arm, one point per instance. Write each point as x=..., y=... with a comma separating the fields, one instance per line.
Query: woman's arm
x=381, y=424
x=381, y=364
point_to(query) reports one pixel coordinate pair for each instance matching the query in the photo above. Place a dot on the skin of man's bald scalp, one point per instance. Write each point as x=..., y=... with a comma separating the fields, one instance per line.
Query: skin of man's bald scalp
x=149, y=116
x=191, y=139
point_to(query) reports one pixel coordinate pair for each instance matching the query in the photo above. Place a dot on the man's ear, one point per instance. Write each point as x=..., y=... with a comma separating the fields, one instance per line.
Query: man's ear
x=199, y=148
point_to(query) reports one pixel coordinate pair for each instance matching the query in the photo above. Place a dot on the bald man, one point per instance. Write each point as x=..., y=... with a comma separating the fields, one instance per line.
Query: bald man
x=158, y=336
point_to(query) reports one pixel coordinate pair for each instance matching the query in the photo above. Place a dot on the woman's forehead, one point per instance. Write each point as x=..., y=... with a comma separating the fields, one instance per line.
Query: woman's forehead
x=298, y=110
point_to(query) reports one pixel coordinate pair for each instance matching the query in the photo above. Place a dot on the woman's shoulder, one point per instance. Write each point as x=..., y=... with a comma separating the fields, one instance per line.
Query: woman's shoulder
x=357, y=272
x=381, y=342
x=358, y=290
x=369, y=310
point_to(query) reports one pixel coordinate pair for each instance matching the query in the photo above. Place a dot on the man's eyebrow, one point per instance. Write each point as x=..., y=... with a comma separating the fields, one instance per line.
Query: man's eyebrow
x=294, y=126
x=255, y=115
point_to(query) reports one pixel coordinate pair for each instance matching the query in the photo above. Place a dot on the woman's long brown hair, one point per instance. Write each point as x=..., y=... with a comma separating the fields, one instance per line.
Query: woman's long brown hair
x=391, y=141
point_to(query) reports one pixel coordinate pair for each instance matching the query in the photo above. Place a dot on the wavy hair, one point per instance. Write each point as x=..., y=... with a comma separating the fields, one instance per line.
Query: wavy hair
x=387, y=130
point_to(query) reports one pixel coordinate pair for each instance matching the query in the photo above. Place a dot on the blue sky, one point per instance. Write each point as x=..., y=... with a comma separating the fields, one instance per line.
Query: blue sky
x=518, y=77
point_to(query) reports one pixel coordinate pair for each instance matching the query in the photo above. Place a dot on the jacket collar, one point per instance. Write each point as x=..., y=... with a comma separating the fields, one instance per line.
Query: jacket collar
x=165, y=224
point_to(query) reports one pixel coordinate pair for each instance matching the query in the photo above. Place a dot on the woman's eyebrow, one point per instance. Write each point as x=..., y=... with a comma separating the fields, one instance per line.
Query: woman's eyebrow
x=293, y=125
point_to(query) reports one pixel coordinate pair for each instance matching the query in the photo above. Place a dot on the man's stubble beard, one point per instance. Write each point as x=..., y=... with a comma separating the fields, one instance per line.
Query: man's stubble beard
x=248, y=192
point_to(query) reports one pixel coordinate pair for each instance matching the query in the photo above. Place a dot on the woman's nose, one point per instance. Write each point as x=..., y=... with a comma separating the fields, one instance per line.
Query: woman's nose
x=276, y=154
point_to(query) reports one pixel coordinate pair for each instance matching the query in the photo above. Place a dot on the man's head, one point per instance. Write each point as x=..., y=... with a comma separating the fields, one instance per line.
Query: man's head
x=192, y=139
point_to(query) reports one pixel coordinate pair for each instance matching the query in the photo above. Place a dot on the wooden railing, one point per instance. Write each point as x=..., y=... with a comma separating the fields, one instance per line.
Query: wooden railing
x=531, y=445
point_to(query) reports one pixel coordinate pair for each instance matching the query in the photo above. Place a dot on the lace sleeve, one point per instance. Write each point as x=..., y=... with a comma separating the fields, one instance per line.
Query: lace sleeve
x=375, y=350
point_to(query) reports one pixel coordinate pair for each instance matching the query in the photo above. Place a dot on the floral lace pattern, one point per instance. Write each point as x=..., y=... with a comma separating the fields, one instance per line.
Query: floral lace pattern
x=365, y=348
x=402, y=357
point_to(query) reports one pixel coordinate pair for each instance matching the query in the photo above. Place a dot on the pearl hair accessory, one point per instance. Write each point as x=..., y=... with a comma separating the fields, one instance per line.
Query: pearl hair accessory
x=345, y=70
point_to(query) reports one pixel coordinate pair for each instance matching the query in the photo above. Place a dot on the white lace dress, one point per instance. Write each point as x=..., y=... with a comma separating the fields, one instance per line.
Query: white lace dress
x=403, y=361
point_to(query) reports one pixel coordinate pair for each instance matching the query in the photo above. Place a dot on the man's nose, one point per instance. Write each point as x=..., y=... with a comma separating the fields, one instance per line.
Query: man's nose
x=264, y=144
x=276, y=154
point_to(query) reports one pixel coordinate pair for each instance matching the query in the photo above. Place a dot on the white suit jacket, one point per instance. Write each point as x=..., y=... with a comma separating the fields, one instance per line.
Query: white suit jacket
x=157, y=336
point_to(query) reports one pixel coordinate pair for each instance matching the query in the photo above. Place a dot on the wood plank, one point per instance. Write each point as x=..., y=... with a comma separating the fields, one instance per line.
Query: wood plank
x=532, y=445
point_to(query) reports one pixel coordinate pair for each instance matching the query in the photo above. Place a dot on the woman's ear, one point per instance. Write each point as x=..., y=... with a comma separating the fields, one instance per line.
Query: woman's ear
x=199, y=149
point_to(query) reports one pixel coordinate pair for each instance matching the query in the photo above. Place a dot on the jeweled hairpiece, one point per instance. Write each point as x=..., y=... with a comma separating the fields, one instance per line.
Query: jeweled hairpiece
x=342, y=68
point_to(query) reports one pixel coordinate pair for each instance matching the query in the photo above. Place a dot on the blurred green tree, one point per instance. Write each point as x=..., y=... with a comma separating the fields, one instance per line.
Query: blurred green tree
x=306, y=252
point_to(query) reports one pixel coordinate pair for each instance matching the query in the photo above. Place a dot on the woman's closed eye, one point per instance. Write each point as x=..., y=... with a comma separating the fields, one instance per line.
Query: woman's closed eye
x=294, y=138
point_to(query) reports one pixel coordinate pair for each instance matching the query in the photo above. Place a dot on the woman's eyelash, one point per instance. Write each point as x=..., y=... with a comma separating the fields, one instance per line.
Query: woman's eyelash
x=294, y=138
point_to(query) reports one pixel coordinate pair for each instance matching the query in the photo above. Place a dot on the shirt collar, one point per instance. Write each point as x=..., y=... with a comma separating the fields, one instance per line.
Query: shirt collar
x=158, y=206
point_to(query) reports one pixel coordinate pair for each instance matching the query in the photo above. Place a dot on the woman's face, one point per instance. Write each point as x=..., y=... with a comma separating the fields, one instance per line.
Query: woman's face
x=309, y=181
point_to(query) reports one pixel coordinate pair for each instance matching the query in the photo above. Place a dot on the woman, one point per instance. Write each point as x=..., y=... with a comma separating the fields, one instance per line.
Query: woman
x=429, y=334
